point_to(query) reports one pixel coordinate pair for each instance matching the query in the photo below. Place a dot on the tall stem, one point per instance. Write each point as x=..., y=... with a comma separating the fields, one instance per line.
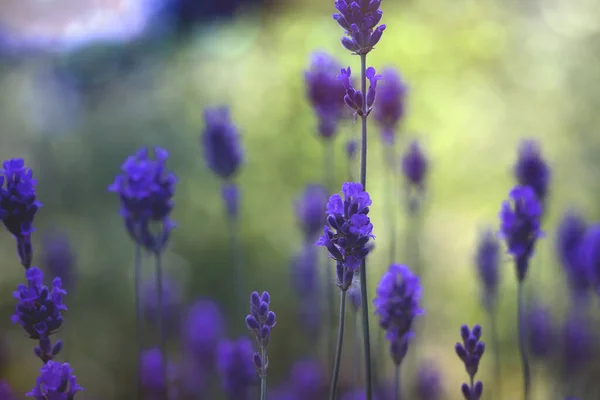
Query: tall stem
x=138, y=314
x=363, y=265
x=263, y=377
x=388, y=172
x=496, y=344
x=397, y=394
x=338, y=351
x=161, y=324
x=235, y=250
x=522, y=349
x=329, y=166
x=356, y=349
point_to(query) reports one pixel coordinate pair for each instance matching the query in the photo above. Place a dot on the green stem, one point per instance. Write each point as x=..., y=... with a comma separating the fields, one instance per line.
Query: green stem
x=338, y=352
x=161, y=325
x=236, y=259
x=363, y=265
x=397, y=395
x=496, y=345
x=522, y=347
x=329, y=279
x=138, y=314
x=263, y=378
x=356, y=349
x=389, y=171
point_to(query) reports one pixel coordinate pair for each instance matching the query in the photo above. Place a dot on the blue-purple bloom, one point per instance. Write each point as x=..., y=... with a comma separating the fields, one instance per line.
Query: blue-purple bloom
x=305, y=282
x=569, y=238
x=171, y=303
x=532, y=170
x=203, y=327
x=590, y=253
x=414, y=165
x=56, y=382
x=398, y=303
x=146, y=188
x=470, y=352
x=541, y=331
x=487, y=259
x=347, y=231
x=310, y=209
x=354, y=98
x=39, y=311
x=18, y=205
x=151, y=373
x=58, y=258
x=428, y=384
x=236, y=368
x=391, y=104
x=6, y=392
x=359, y=18
x=260, y=321
x=578, y=344
x=221, y=142
x=520, y=226
x=307, y=379
x=325, y=92
x=231, y=197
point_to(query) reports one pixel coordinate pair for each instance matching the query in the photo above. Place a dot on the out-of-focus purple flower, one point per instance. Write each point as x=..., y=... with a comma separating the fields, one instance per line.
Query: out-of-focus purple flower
x=310, y=209
x=398, y=303
x=487, y=259
x=391, y=104
x=260, y=321
x=203, y=327
x=56, y=382
x=354, y=98
x=236, y=368
x=532, y=170
x=151, y=373
x=414, y=165
x=359, y=18
x=282, y=392
x=18, y=205
x=58, y=258
x=520, y=226
x=354, y=295
x=38, y=311
x=470, y=352
x=351, y=149
x=305, y=282
x=353, y=229
x=231, y=196
x=6, y=392
x=428, y=385
x=146, y=188
x=221, y=142
x=590, y=253
x=325, y=92
x=307, y=379
x=578, y=344
x=541, y=332
x=569, y=238
x=171, y=303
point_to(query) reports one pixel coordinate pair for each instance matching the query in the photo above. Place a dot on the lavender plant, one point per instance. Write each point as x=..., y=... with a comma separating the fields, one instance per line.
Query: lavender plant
x=235, y=365
x=520, y=228
x=532, y=170
x=58, y=258
x=429, y=382
x=569, y=241
x=414, y=168
x=470, y=352
x=145, y=189
x=260, y=321
x=398, y=303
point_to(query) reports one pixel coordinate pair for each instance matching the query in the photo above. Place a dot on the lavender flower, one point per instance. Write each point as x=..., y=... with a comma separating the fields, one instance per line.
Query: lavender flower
x=18, y=205
x=359, y=18
x=325, y=92
x=305, y=282
x=39, y=311
x=231, y=197
x=203, y=327
x=414, y=166
x=397, y=304
x=6, y=392
x=58, y=258
x=171, y=303
x=429, y=382
x=260, y=321
x=234, y=363
x=541, y=332
x=348, y=217
x=221, y=141
x=520, y=226
x=56, y=382
x=145, y=189
x=152, y=377
x=578, y=344
x=391, y=104
x=487, y=260
x=590, y=253
x=310, y=209
x=354, y=98
x=307, y=379
x=569, y=238
x=470, y=352
x=532, y=170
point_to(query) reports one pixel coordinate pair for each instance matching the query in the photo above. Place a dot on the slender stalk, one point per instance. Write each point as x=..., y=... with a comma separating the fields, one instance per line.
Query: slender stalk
x=329, y=279
x=397, y=394
x=138, y=314
x=522, y=349
x=496, y=344
x=236, y=260
x=390, y=195
x=363, y=265
x=161, y=324
x=356, y=349
x=263, y=377
x=338, y=352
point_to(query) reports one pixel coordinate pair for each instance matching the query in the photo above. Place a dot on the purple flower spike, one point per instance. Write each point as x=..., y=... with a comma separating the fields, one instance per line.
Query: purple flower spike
x=415, y=166
x=307, y=380
x=236, y=368
x=171, y=303
x=325, y=92
x=391, y=104
x=354, y=98
x=578, y=342
x=56, y=382
x=470, y=352
x=203, y=327
x=590, y=253
x=310, y=209
x=260, y=321
x=221, y=141
x=569, y=239
x=151, y=373
x=520, y=226
x=18, y=205
x=305, y=282
x=397, y=304
x=58, y=258
x=360, y=19
x=231, y=197
x=532, y=170
x=541, y=332
x=487, y=259
x=6, y=392
x=146, y=189
x=429, y=382
x=353, y=230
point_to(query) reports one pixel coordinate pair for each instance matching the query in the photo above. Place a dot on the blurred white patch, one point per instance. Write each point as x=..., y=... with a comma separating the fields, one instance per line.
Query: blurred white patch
x=574, y=18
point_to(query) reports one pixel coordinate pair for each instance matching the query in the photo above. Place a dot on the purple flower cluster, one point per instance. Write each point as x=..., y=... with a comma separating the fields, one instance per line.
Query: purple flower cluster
x=235, y=366
x=18, y=205
x=305, y=282
x=487, y=259
x=397, y=304
x=146, y=188
x=221, y=142
x=359, y=18
x=391, y=104
x=58, y=258
x=310, y=209
x=414, y=165
x=353, y=97
x=569, y=239
x=520, y=226
x=347, y=231
x=590, y=253
x=470, y=352
x=203, y=327
x=541, y=331
x=531, y=169
x=260, y=321
x=56, y=382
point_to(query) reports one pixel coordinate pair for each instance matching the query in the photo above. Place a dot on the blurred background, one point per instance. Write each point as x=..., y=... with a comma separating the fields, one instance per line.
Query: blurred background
x=85, y=83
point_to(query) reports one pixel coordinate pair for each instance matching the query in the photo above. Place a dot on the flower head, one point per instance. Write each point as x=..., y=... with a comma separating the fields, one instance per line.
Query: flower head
x=221, y=141
x=414, y=165
x=231, y=196
x=487, y=259
x=307, y=379
x=260, y=321
x=171, y=303
x=578, y=343
x=520, y=226
x=56, y=382
x=470, y=352
x=58, y=258
x=235, y=366
x=348, y=230
x=541, y=331
x=310, y=209
x=359, y=18
x=146, y=188
x=203, y=327
x=569, y=239
x=305, y=282
x=354, y=98
x=325, y=92
x=151, y=371
x=398, y=303
x=6, y=392
x=391, y=103
x=18, y=205
x=429, y=382
x=532, y=170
